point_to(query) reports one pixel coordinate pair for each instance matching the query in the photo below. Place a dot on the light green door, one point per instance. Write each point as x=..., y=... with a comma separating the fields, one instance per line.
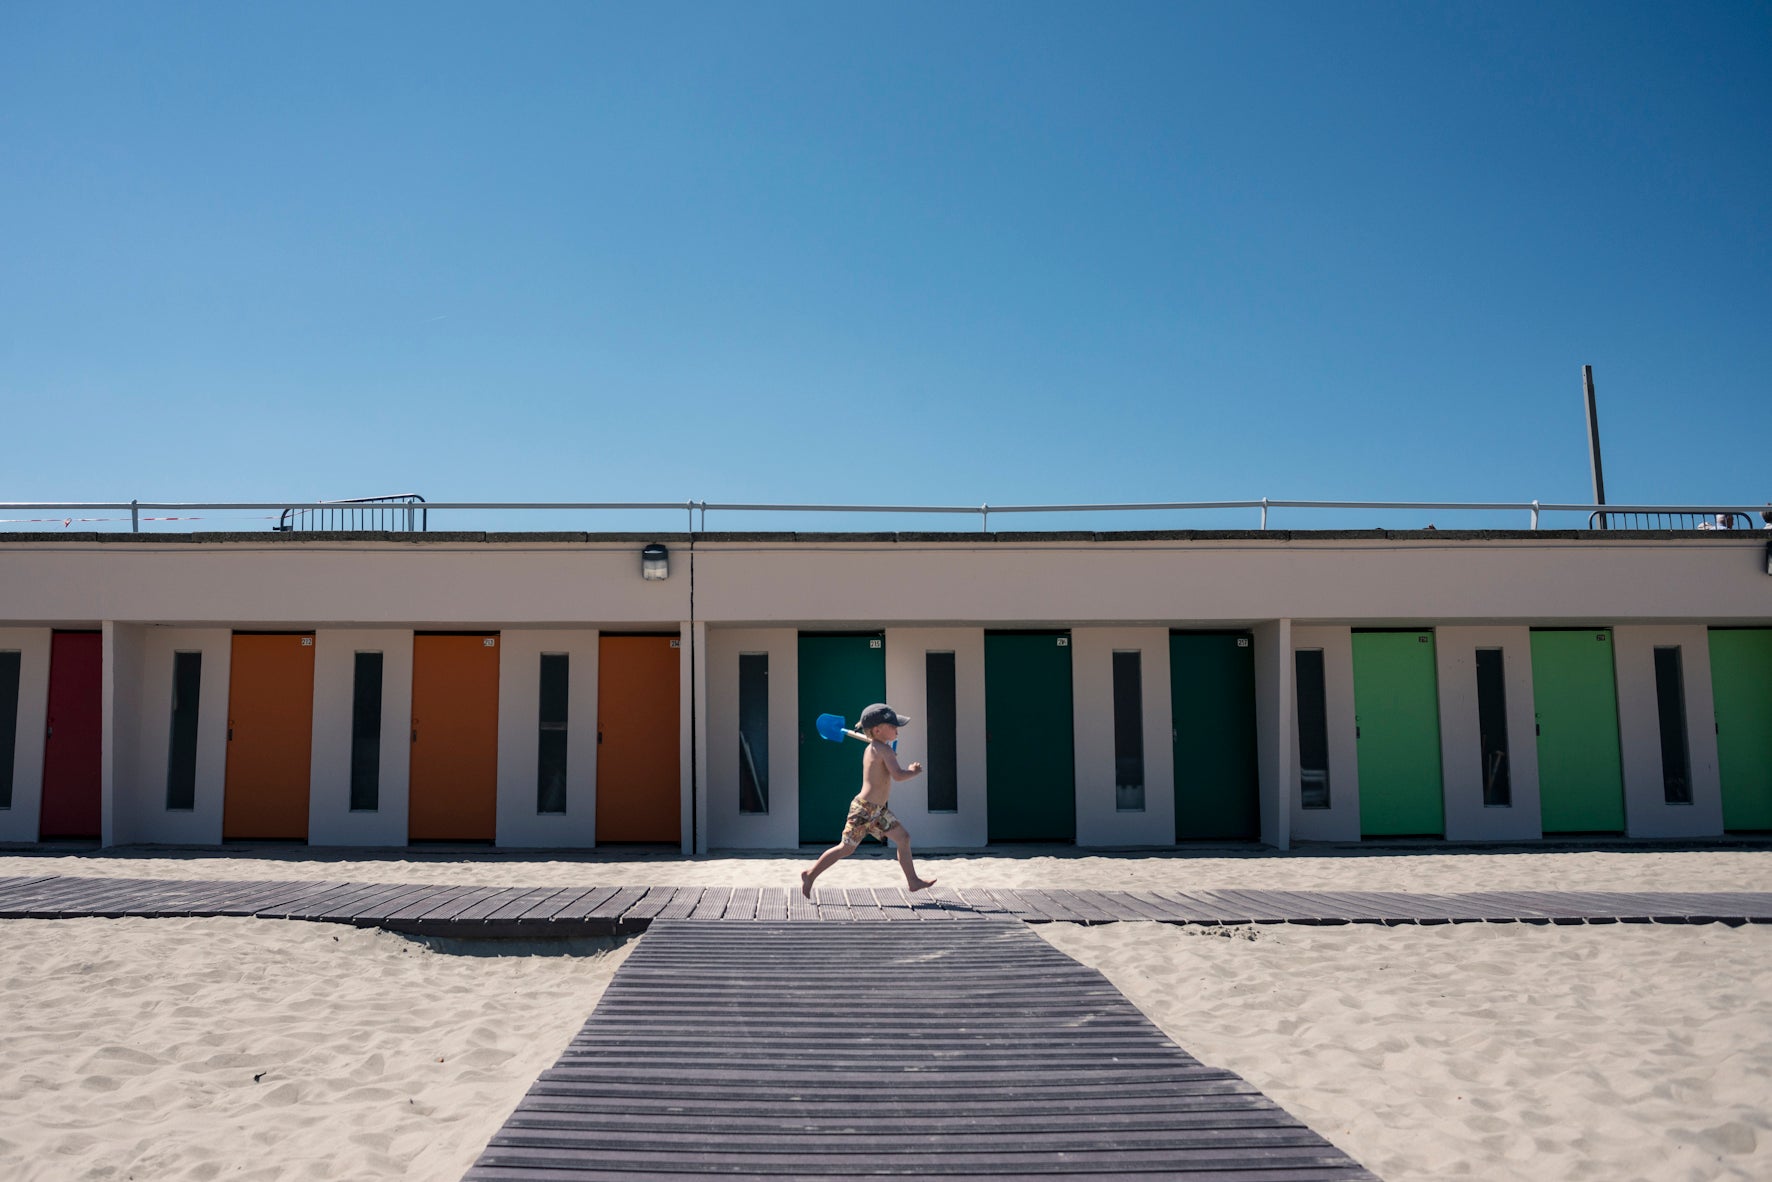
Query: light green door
x=1397, y=731
x=1030, y=754
x=839, y=674
x=1741, y=677
x=1580, y=774
x=1212, y=692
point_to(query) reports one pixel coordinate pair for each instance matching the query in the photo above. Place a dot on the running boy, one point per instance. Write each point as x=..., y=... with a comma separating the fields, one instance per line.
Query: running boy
x=868, y=812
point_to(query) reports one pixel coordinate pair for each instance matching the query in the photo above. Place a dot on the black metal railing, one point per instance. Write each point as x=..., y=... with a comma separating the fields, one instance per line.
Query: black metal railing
x=1727, y=519
x=399, y=513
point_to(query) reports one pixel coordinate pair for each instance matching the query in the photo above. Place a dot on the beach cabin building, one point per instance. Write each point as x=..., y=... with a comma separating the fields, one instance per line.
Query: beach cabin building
x=1111, y=690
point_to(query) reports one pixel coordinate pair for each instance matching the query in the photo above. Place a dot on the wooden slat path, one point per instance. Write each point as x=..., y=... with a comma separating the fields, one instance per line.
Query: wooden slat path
x=539, y=912
x=911, y=1050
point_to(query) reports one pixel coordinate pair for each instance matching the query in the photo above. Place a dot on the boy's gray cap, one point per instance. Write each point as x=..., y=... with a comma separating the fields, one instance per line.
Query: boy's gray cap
x=879, y=713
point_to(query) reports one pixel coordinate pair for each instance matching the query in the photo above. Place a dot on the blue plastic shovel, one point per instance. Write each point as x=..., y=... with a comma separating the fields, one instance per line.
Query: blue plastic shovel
x=832, y=727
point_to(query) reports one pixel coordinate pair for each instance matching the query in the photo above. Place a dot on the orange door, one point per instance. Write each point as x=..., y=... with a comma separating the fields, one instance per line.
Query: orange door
x=454, y=795
x=270, y=738
x=639, y=762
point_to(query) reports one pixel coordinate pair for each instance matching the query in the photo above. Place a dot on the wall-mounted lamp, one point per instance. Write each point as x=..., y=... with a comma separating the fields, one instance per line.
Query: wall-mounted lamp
x=655, y=562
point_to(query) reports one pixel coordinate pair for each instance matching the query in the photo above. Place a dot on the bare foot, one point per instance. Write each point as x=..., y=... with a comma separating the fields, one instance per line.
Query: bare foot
x=806, y=883
x=921, y=884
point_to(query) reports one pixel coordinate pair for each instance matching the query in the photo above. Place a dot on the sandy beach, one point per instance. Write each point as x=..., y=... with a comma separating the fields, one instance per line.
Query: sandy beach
x=259, y=1049
x=253, y=1049
x=1494, y=1052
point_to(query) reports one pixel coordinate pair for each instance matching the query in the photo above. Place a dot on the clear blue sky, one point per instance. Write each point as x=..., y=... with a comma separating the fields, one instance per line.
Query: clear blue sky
x=906, y=253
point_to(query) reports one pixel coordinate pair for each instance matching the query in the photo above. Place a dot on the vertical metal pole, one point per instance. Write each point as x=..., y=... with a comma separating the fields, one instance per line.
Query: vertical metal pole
x=1593, y=440
x=1264, y=513
x=1534, y=512
x=985, y=509
x=135, y=516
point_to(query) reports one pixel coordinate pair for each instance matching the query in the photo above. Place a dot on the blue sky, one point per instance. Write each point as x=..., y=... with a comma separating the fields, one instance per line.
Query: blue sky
x=909, y=253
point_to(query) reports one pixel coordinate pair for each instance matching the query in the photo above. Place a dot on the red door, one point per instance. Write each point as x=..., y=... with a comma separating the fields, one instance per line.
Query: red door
x=72, y=771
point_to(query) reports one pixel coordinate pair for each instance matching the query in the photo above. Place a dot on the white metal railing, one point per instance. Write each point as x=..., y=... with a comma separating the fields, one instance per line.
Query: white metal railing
x=277, y=509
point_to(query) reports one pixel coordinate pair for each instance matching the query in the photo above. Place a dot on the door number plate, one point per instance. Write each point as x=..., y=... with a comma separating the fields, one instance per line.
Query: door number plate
x=1064, y=642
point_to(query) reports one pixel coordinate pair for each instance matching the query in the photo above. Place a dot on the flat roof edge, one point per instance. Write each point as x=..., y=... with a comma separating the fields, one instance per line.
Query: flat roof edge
x=439, y=537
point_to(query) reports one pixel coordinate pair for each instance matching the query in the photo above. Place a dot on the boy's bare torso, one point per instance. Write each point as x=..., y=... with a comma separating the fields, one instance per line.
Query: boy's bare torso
x=877, y=764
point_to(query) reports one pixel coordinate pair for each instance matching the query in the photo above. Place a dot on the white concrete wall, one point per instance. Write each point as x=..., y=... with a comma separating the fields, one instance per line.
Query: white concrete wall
x=779, y=828
x=1276, y=728
x=696, y=689
x=1099, y=822
x=519, y=738
x=1461, y=755
x=330, y=819
x=18, y=822
x=1646, y=811
x=122, y=663
x=294, y=583
x=1341, y=820
x=907, y=689
x=1411, y=580
x=140, y=791
x=1378, y=580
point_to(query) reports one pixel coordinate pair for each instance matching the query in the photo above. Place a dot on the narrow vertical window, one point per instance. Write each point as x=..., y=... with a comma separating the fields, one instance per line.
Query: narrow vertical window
x=1313, y=728
x=1670, y=703
x=9, y=673
x=753, y=732
x=1129, y=732
x=1498, y=789
x=550, y=764
x=366, y=734
x=181, y=761
x=944, y=766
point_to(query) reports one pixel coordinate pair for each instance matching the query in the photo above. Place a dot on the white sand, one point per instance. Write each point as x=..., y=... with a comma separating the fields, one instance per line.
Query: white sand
x=1479, y=1051
x=1342, y=868
x=264, y=1049
x=128, y=1047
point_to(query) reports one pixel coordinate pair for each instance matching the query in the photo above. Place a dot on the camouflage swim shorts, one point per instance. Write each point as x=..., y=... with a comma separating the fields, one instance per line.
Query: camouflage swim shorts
x=865, y=818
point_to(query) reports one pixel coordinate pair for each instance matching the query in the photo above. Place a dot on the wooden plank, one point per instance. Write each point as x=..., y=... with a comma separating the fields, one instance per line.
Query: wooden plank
x=800, y=907
x=361, y=901
x=500, y=898
x=772, y=903
x=427, y=901
x=530, y=902
x=685, y=901
x=743, y=904
x=582, y=905
x=617, y=905
x=894, y=903
x=648, y=906
x=712, y=904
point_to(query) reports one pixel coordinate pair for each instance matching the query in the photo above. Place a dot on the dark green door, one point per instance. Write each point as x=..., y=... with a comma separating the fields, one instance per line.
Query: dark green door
x=1030, y=758
x=1212, y=695
x=1741, y=676
x=1580, y=775
x=840, y=673
x=1397, y=732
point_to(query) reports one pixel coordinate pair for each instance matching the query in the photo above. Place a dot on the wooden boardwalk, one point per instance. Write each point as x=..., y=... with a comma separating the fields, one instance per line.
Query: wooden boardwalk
x=542, y=912
x=787, y=1050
